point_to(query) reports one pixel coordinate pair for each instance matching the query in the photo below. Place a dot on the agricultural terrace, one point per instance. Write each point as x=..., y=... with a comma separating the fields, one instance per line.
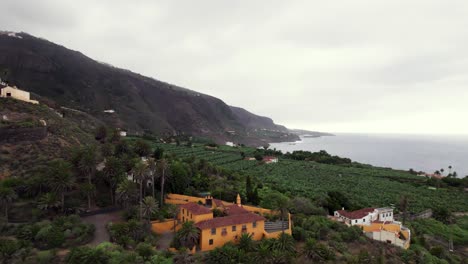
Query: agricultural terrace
x=363, y=185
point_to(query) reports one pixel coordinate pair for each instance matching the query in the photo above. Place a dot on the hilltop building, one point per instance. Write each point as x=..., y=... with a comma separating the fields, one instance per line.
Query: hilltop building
x=270, y=159
x=237, y=219
x=378, y=224
x=14, y=92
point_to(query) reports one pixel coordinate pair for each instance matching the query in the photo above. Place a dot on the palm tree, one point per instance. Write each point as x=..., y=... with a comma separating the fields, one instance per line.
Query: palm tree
x=246, y=243
x=140, y=171
x=173, y=210
x=60, y=179
x=163, y=164
x=48, y=201
x=7, y=196
x=450, y=169
x=126, y=192
x=442, y=171
x=114, y=173
x=87, y=165
x=89, y=190
x=150, y=206
x=188, y=235
x=152, y=166
x=285, y=242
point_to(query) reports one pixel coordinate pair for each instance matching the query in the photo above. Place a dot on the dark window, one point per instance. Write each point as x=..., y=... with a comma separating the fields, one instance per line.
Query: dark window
x=8, y=94
x=213, y=231
x=254, y=224
x=244, y=228
x=191, y=215
x=210, y=241
x=224, y=231
x=364, y=220
x=234, y=228
x=183, y=211
x=356, y=221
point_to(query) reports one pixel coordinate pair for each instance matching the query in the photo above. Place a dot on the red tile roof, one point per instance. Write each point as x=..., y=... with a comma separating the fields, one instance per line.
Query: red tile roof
x=218, y=202
x=229, y=220
x=356, y=214
x=235, y=210
x=195, y=208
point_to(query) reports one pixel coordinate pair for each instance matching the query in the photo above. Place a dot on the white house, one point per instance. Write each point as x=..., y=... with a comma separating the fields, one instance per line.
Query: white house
x=123, y=133
x=109, y=111
x=14, y=92
x=270, y=159
x=365, y=216
x=229, y=143
x=378, y=224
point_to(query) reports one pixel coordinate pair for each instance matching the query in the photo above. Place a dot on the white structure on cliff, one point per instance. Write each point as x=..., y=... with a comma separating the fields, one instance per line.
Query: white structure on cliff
x=14, y=92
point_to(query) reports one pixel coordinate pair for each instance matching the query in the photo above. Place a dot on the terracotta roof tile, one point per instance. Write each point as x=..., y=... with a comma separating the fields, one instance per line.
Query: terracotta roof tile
x=229, y=220
x=235, y=210
x=195, y=208
x=356, y=214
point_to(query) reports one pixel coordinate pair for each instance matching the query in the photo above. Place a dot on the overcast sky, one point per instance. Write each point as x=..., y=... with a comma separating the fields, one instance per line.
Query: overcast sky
x=396, y=66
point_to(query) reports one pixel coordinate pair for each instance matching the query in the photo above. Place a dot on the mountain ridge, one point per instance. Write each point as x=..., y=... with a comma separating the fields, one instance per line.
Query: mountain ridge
x=141, y=104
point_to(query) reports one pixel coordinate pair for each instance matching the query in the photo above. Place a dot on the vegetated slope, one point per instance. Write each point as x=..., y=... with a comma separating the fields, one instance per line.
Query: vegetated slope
x=364, y=185
x=26, y=153
x=140, y=103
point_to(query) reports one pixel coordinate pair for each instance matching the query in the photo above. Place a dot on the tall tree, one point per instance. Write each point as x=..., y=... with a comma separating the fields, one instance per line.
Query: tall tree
x=163, y=165
x=48, y=201
x=141, y=174
x=114, y=173
x=150, y=206
x=89, y=190
x=7, y=196
x=152, y=168
x=279, y=202
x=142, y=148
x=173, y=211
x=126, y=192
x=188, y=235
x=60, y=178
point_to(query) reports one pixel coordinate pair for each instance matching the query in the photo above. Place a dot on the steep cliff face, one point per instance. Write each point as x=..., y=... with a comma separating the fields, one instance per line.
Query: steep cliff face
x=140, y=103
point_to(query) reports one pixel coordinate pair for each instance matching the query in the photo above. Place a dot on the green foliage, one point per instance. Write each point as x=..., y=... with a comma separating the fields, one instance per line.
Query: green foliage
x=145, y=250
x=187, y=236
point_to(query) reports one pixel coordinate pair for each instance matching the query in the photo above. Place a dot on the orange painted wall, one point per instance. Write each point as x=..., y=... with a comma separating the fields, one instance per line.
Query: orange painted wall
x=378, y=226
x=173, y=198
x=164, y=226
x=185, y=216
x=219, y=239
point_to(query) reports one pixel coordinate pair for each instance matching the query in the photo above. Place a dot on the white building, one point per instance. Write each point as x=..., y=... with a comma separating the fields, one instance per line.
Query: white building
x=229, y=143
x=123, y=133
x=365, y=216
x=14, y=92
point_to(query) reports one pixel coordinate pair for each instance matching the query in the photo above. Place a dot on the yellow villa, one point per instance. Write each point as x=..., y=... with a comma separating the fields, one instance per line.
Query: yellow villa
x=237, y=219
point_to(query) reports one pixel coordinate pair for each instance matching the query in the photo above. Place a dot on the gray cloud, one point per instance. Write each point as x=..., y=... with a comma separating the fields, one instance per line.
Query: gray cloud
x=376, y=66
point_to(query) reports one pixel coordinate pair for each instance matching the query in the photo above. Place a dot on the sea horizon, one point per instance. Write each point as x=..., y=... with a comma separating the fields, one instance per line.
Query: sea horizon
x=401, y=151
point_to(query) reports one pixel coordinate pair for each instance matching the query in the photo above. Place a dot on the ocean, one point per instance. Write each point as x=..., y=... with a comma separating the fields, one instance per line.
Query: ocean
x=420, y=152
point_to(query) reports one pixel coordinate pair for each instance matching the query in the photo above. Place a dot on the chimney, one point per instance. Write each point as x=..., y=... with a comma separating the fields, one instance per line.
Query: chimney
x=238, y=200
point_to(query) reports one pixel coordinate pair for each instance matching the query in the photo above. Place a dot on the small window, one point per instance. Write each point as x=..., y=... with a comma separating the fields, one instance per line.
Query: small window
x=355, y=221
x=213, y=231
x=254, y=225
x=183, y=211
x=364, y=220
x=234, y=228
x=244, y=227
x=210, y=242
x=8, y=94
x=191, y=215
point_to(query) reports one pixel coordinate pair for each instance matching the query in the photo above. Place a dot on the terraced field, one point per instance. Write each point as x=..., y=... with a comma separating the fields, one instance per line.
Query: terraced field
x=364, y=185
